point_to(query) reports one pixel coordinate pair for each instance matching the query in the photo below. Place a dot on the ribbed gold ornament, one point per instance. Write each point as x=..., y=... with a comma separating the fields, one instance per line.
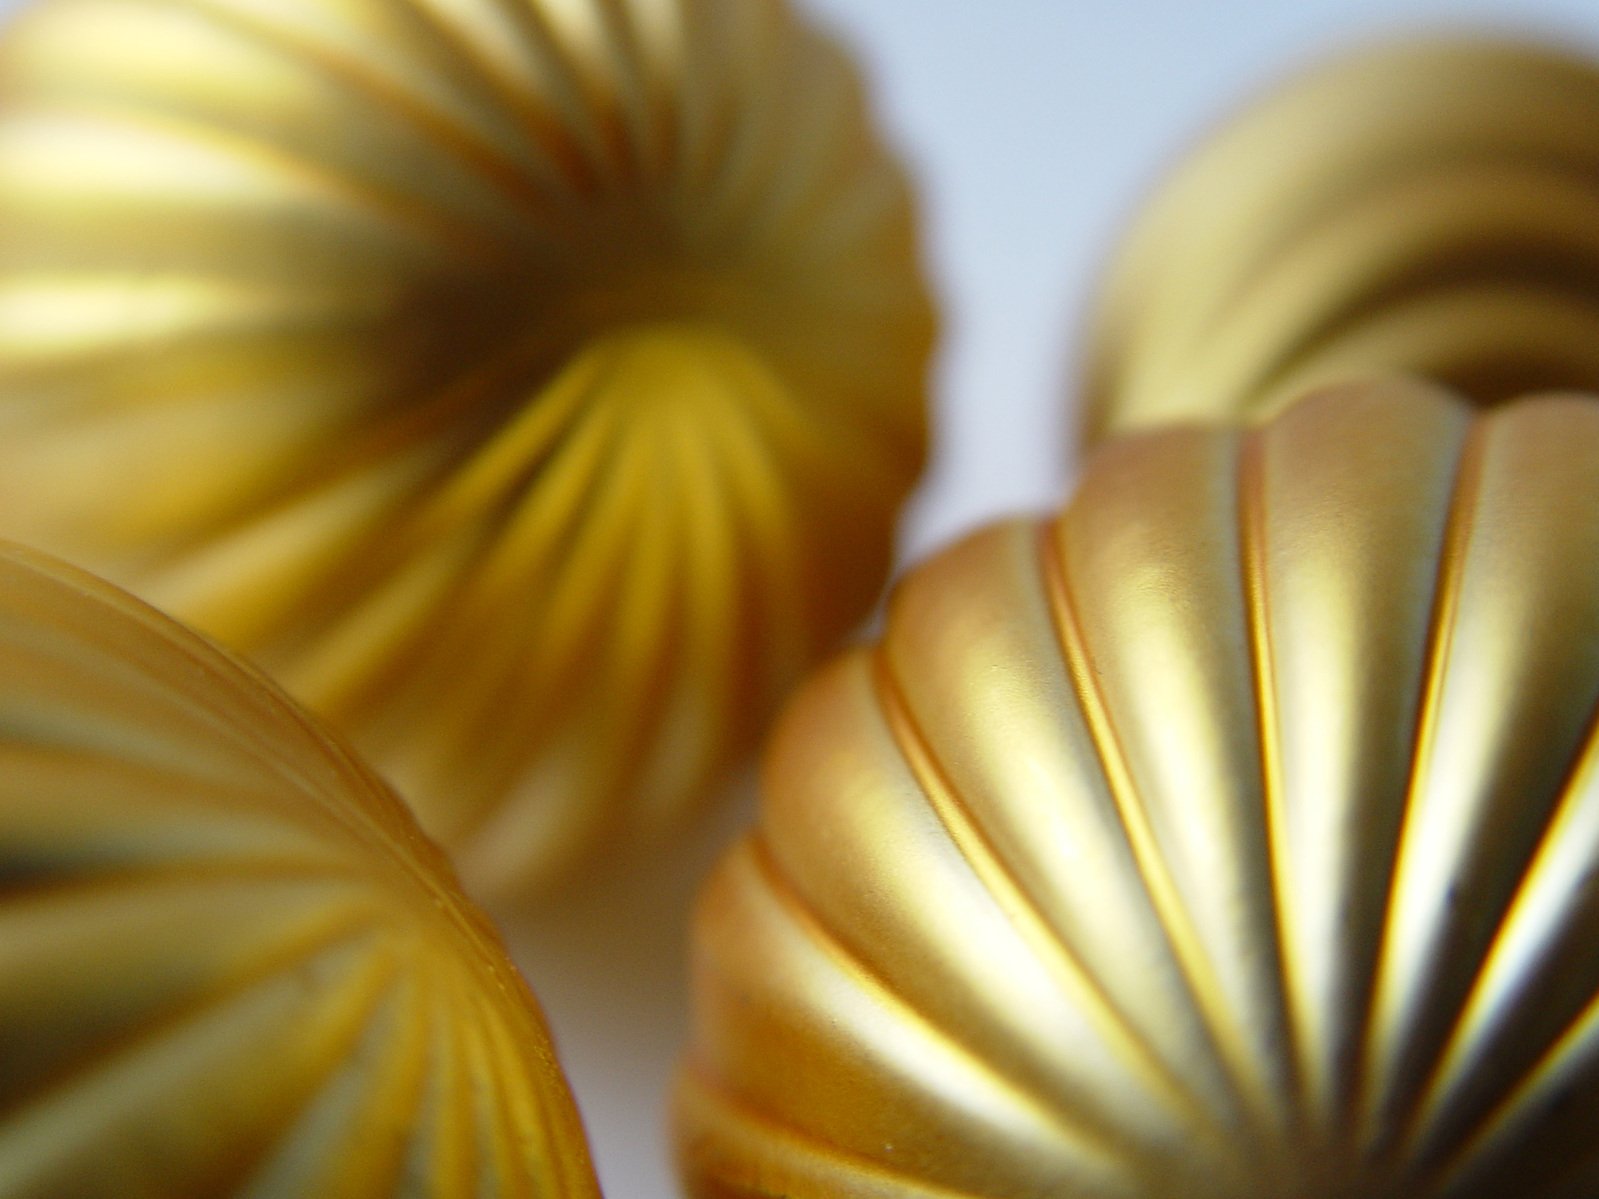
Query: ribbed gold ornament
x=1427, y=206
x=529, y=385
x=1234, y=835
x=230, y=964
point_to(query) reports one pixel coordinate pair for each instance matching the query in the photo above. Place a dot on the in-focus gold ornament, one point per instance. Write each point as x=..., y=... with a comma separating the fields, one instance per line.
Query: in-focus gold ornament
x=230, y=963
x=529, y=385
x=1233, y=835
x=1429, y=207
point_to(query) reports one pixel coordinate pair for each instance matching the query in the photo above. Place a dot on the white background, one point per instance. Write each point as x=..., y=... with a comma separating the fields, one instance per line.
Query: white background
x=1033, y=127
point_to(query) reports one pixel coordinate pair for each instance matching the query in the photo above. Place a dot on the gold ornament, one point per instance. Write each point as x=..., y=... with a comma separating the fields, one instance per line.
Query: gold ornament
x=1429, y=207
x=1234, y=835
x=229, y=961
x=528, y=385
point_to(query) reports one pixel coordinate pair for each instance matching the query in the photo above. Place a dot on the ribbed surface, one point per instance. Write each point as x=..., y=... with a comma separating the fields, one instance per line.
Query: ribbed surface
x=529, y=385
x=1233, y=835
x=1426, y=206
x=229, y=962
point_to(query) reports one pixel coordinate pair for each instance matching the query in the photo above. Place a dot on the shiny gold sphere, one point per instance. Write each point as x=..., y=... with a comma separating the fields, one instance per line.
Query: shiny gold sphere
x=1427, y=206
x=230, y=964
x=529, y=385
x=1234, y=835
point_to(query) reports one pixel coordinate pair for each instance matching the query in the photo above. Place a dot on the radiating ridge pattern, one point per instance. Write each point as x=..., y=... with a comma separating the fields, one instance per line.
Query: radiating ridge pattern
x=1429, y=206
x=1233, y=835
x=229, y=962
x=529, y=385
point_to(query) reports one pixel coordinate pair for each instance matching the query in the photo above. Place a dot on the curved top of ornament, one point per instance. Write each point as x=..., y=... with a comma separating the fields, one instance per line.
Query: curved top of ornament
x=529, y=385
x=1233, y=835
x=1427, y=206
x=229, y=961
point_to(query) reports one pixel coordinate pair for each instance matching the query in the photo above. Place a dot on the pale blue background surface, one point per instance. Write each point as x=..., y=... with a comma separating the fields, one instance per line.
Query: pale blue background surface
x=1033, y=126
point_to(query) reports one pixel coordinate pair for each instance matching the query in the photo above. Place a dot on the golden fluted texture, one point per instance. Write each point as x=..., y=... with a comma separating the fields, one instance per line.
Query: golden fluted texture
x=529, y=385
x=230, y=963
x=1425, y=206
x=1234, y=835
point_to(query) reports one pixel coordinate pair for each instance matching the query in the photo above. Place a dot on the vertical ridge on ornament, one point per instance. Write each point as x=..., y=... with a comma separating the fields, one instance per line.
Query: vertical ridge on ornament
x=1353, y=716
x=1130, y=821
x=1502, y=831
x=1202, y=877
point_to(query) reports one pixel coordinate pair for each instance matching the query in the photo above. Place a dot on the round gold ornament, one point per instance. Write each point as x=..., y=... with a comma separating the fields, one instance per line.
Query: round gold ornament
x=1234, y=835
x=1429, y=207
x=229, y=961
x=529, y=385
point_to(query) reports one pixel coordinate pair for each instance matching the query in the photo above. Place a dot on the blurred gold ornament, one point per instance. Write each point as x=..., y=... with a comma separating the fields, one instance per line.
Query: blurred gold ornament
x=1234, y=835
x=1429, y=206
x=529, y=385
x=229, y=961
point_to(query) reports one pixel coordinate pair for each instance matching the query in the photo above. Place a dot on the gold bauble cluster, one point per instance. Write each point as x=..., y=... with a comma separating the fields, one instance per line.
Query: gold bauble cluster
x=531, y=386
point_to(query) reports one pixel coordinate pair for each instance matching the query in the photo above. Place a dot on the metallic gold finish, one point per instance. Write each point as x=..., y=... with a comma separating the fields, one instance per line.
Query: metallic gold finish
x=1429, y=207
x=230, y=963
x=529, y=385
x=1234, y=835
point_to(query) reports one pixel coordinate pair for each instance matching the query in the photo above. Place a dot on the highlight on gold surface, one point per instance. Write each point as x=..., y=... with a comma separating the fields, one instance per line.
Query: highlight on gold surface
x=230, y=963
x=1426, y=206
x=1234, y=835
x=529, y=385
